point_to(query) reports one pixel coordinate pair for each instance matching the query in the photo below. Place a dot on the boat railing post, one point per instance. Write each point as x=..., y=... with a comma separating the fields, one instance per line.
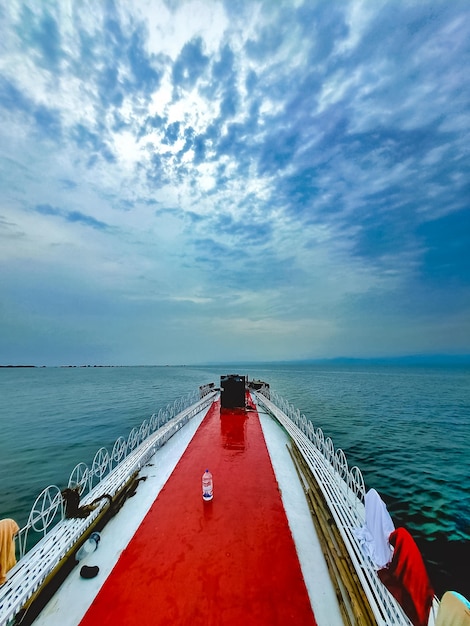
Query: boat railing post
x=143, y=431
x=101, y=464
x=133, y=439
x=341, y=465
x=79, y=478
x=119, y=450
x=49, y=508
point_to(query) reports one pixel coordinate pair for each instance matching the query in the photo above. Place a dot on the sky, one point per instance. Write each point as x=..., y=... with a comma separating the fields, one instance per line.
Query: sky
x=188, y=182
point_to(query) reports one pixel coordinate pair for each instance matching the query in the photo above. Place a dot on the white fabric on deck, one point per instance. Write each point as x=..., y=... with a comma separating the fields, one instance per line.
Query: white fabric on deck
x=374, y=535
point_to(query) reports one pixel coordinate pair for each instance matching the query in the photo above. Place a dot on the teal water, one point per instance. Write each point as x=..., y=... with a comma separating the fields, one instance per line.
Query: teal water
x=406, y=427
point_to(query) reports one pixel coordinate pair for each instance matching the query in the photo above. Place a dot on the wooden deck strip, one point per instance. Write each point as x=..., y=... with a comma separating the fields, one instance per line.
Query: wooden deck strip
x=227, y=562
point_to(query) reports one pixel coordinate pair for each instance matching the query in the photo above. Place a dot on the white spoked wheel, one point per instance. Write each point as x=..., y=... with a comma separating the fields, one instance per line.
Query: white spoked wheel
x=100, y=463
x=153, y=423
x=143, y=430
x=79, y=477
x=45, y=508
x=356, y=483
x=133, y=438
x=119, y=450
x=341, y=463
x=320, y=439
x=329, y=449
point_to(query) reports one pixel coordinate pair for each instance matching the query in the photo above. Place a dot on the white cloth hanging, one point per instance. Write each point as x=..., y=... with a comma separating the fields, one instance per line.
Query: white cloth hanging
x=373, y=536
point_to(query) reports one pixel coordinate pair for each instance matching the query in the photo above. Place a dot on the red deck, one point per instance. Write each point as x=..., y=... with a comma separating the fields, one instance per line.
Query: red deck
x=227, y=562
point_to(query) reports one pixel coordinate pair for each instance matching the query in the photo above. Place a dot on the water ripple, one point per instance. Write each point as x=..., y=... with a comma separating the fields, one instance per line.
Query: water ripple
x=407, y=428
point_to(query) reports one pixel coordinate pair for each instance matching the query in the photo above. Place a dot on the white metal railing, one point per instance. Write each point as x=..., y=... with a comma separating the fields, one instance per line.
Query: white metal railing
x=110, y=472
x=48, y=508
x=344, y=491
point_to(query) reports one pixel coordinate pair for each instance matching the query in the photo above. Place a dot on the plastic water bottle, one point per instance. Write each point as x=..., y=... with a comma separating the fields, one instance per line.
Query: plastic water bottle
x=207, y=486
x=89, y=546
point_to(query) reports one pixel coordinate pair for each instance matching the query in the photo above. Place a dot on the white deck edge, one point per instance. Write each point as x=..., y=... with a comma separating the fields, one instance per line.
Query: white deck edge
x=70, y=603
x=312, y=561
x=72, y=600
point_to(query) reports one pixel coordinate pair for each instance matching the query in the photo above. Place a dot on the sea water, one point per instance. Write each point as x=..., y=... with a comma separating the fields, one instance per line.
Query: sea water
x=406, y=427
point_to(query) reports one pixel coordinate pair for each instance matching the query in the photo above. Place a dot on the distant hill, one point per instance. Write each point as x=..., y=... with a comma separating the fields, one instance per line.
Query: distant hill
x=418, y=359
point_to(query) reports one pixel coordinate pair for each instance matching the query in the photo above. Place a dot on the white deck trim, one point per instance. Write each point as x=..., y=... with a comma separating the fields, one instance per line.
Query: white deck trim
x=312, y=562
x=71, y=601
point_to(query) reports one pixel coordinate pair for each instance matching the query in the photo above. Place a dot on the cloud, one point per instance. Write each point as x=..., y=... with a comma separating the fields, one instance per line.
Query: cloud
x=190, y=64
x=71, y=216
x=40, y=31
x=302, y=166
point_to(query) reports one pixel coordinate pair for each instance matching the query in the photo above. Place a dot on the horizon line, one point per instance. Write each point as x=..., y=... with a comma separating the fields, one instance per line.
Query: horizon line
x=414, y=358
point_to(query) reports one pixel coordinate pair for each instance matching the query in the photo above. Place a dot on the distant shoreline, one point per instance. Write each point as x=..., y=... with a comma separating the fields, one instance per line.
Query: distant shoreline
x=60, y=366
x=21, y=366
x=430, y=359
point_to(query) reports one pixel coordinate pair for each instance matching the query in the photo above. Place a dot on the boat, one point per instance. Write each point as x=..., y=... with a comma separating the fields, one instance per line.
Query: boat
x=287, y=534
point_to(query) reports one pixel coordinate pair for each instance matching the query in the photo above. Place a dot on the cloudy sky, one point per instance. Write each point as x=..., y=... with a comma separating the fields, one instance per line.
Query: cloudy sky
x=195, y=181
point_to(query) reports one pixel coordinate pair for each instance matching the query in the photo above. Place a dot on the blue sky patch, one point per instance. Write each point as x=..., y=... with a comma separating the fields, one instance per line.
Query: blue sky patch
x=300, y=171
